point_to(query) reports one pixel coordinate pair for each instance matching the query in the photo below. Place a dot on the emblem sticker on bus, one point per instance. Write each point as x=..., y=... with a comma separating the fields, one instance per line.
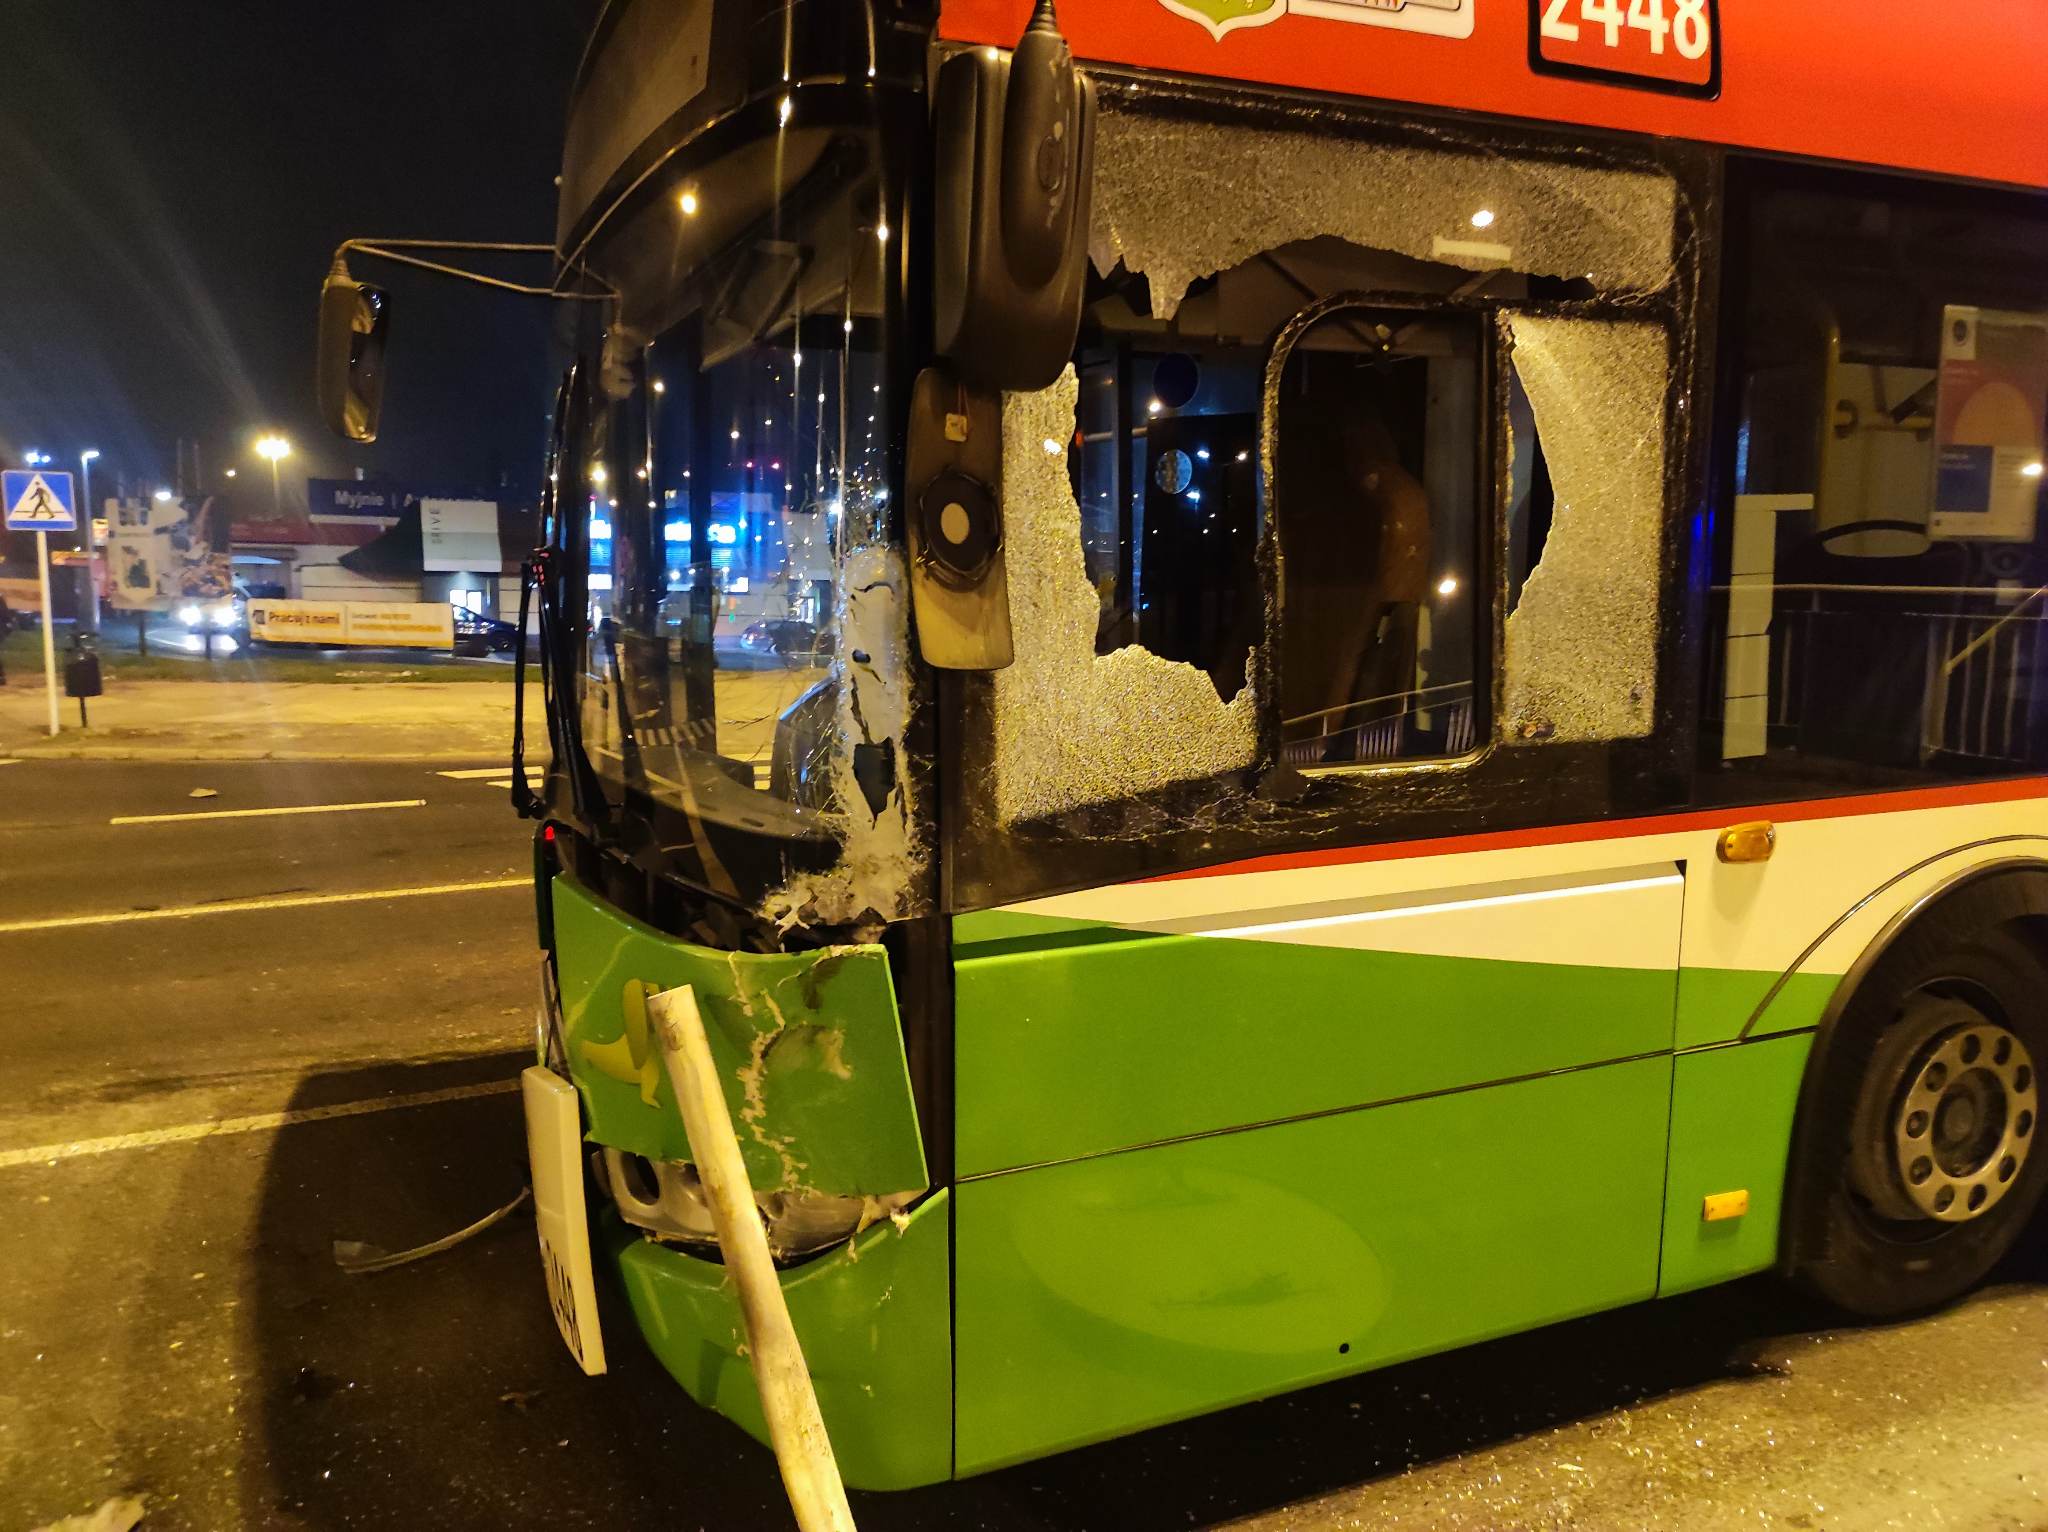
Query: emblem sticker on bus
x=1665, y=45
x=1442, y=18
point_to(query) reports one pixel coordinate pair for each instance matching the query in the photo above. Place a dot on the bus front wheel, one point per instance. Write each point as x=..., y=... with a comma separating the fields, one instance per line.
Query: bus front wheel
x=1923, y=1168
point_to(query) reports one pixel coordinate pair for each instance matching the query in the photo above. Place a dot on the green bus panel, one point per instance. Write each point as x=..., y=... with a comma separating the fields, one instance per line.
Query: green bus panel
x=808, y=1047
x=1102, y=1296
x=1731, y=1130
x=874, y=1323
x=1081, y=1047
x=1714, y=1004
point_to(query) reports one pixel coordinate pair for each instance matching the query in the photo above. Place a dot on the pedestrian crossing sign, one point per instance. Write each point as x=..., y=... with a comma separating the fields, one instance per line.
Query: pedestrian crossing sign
x=38, y=501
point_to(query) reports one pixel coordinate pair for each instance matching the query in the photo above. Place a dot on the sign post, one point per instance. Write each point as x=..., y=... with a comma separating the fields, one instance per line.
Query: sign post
x=40, y=502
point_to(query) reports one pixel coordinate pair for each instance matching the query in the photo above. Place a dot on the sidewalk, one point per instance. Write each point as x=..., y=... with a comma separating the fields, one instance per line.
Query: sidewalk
x=273, y=721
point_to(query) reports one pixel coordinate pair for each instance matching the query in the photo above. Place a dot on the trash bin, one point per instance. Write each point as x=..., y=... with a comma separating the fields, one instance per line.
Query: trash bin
x=82, y=671
x=82, y=676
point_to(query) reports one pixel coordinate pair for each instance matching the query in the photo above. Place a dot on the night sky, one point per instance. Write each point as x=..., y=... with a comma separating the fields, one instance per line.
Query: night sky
x=176, y=175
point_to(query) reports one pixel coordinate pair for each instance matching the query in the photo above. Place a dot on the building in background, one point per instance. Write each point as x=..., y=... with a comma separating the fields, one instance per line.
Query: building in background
x=365, y=540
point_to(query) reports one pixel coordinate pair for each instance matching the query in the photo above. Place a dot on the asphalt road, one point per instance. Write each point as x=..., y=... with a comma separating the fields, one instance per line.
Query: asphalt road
x=300, y=1069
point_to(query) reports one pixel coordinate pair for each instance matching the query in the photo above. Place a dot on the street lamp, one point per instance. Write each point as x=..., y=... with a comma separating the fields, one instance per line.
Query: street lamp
x=88, y=593
x=275, y=448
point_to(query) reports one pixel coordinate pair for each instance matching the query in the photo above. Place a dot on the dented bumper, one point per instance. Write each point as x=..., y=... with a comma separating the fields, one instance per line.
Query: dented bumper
x=875, y=1325
x=810, y=1054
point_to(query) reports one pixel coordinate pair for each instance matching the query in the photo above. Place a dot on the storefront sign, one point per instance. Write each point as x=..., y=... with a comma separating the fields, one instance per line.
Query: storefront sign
x=374, y=624
x=458, y=535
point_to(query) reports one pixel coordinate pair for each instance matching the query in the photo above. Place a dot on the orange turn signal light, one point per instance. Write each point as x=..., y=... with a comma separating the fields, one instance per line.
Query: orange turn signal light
x=1751, y=842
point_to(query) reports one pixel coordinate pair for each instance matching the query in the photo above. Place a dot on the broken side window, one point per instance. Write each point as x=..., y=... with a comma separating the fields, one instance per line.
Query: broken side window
x=1164, y=468
x=1379, y=513
x=1179, y=199
x=1137, y=522
x=1581, y=643
x=1071, y=727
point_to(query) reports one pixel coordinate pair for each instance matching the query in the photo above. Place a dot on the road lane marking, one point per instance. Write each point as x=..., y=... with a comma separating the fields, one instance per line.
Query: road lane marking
x=239, y=906
x=303, y=808
x=259, y=1122
x=470, y=773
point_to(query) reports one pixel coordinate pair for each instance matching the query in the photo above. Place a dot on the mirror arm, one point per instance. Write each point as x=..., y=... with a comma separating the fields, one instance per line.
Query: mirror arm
x=390, y=250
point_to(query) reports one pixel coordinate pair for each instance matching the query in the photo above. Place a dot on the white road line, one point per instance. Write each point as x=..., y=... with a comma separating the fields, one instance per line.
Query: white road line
x=303, y=808
x=469, y=773
x=258, y=1123
x=240, y=906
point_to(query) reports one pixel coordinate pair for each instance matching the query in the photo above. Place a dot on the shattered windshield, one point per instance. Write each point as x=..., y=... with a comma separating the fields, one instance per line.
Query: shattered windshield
x=744, y=680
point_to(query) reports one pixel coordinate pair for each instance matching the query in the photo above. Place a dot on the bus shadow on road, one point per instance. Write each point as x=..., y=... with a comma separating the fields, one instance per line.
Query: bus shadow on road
x=438, y=1394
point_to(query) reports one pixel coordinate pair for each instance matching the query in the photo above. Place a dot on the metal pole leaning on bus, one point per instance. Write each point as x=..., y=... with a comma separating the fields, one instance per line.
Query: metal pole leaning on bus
x=802, y=1449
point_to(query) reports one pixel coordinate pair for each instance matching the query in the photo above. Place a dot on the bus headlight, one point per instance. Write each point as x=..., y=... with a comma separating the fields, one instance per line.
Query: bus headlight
x=191, y=616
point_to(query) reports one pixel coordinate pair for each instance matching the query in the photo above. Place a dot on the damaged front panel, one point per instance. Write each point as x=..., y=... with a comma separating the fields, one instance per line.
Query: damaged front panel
x=808, y=1045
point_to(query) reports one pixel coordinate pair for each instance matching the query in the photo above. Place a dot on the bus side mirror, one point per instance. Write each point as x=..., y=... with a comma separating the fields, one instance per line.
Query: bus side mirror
x=1014, y=157
x=350, y=366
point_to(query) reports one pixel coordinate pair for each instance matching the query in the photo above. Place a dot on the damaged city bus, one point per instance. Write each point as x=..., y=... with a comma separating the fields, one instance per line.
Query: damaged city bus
x=1352, y=677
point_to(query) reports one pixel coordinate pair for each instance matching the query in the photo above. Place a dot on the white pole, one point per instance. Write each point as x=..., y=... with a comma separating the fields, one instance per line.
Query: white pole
x=49, y=642
x=802, y=1450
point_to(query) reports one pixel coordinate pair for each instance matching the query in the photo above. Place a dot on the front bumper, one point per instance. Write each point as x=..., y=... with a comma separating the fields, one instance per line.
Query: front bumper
x=874, y=1319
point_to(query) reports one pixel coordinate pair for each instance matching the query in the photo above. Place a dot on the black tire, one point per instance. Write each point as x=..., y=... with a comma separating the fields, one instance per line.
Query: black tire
x=1859, y=1239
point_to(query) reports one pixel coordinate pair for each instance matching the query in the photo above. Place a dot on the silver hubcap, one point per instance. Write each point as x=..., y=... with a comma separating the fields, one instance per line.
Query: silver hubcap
x=1963, y=1128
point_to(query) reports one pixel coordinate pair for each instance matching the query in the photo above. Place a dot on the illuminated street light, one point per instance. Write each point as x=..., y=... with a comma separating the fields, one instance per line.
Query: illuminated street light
x=276, y=448
x=231, y=473
x=86, y=459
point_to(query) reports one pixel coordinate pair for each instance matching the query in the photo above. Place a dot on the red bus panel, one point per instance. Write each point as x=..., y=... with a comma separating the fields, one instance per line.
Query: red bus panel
x=1943, y=87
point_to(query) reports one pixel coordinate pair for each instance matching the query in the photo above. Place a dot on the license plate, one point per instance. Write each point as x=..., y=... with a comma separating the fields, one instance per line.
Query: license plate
x=554, y=1150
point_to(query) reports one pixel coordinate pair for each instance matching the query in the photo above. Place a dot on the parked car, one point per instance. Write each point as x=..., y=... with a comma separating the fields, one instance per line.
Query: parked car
x=477, y=635
x=787, y=636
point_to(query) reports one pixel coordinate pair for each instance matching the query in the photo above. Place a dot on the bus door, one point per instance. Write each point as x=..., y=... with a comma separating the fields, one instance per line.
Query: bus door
x=1306, y=1015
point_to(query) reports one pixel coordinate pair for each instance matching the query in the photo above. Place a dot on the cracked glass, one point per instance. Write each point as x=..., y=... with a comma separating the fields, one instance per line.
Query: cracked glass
x=747, y=663
x=1581, y=655
x=1179, y=200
